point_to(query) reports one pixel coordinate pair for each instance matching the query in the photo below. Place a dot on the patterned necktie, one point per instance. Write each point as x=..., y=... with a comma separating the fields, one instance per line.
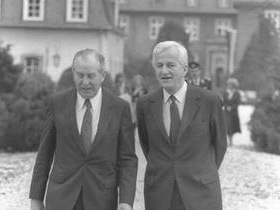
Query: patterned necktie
x=175, y=120
x=86, y=131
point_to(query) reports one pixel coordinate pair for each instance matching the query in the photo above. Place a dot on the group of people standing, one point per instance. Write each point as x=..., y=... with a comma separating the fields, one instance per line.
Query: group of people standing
x=87, y=160
x=231, y=97
x=130, y=91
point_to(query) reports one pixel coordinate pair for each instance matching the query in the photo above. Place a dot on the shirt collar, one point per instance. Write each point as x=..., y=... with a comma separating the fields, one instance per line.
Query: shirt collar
x=93, y=101
x=179, y=95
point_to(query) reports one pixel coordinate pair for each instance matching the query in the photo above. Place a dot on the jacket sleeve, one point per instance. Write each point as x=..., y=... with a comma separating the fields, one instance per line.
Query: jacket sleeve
x=127, y=159
x=218, y=130
x=143, y=136
x=44, y=159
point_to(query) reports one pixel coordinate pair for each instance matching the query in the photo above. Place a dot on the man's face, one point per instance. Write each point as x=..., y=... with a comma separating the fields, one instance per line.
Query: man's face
x=170, y=71
x=87, y=77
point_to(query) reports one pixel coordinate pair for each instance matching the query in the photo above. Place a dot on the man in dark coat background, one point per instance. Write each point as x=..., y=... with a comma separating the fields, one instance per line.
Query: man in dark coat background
x=183, y=137
x=195, y=77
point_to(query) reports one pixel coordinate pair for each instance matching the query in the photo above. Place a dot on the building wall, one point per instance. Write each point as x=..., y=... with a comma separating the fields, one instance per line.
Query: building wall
x=139, y=46
x=48, y=42
x=55, y=15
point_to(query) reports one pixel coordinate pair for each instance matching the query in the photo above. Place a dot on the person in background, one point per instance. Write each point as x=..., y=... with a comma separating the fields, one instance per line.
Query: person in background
x=124, y=92
x=120, y=83
x=183, y=137
x=138, y=89
x=196, y=77
x=87, y=151
x=231, y=98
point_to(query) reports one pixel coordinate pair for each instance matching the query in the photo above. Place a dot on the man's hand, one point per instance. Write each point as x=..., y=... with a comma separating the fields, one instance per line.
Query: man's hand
x=36, y=205
x=124, y=206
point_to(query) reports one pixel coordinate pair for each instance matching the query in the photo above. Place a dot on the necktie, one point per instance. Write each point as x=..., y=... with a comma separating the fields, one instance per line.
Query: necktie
x=86, y=131
x=175, y=120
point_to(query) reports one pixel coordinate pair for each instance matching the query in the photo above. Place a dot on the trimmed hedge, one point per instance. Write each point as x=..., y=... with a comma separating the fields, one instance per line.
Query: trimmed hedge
x=265, y=125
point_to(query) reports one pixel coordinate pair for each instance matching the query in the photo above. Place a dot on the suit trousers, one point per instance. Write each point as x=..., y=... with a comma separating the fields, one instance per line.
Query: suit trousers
x=176, y=200
x=79, y=205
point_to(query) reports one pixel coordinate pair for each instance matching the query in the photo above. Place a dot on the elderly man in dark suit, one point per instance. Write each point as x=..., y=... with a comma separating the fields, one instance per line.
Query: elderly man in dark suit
x=183, y=137
x=87, y=157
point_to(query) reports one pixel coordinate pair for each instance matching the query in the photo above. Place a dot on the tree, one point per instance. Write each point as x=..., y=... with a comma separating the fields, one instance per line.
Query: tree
x=265, y=121
x=172, y=31
x=255, y=71
x=9, y=72
x=26, y=108
x=3, y=118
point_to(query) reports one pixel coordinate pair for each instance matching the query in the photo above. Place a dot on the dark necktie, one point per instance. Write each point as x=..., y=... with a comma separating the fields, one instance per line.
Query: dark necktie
x=86, y=131
x=175, y=120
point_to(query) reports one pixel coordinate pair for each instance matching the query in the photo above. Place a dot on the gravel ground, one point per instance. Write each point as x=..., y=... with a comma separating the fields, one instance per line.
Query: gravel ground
x=250, y=180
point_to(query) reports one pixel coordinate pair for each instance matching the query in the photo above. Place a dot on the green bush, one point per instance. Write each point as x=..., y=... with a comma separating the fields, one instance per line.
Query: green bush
x=3, y=118
x=26, y=108
x=9, y=72
x=265, y=125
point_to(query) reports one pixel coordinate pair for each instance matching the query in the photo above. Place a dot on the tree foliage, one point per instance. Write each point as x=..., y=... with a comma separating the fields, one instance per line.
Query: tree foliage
x=172, y=31
x=26, y=108
x=9, y=72
x=255, y=71
x=265, y=70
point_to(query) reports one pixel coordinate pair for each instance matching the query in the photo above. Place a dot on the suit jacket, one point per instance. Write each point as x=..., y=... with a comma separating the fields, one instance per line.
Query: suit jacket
x=194, y=161
x=111, y=162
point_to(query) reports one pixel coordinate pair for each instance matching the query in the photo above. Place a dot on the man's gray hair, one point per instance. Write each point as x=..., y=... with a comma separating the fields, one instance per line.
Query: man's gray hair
x=162, y=46
x=86, y=54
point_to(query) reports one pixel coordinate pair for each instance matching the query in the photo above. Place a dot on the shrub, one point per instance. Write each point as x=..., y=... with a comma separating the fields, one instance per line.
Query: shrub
x=265, y=125
x=26, y=108
x=9, y=72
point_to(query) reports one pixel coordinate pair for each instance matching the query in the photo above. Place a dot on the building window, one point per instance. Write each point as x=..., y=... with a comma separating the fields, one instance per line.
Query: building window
x=223, y=3
x=32, y=64
x=192, y=26
x=221, y=26
x=156, y=23
x=77, y=10
x=192, y=3
x=33, y=10
x=274, y=16
x=124, y=23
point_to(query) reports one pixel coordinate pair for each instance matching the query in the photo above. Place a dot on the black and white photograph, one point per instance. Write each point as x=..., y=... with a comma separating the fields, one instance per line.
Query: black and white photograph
x=139, y=104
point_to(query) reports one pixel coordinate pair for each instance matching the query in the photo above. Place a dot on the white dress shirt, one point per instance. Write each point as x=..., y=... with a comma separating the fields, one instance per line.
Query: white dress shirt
x=81, y=109
x=180, y=97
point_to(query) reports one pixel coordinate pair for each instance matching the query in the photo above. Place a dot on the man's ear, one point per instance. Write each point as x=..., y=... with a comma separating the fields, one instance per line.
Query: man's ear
x=186, y=68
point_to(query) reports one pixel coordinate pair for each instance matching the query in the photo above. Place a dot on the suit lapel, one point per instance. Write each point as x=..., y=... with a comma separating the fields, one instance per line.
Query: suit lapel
x=71, y=118
x=104, y=118
x=157, y=111
x=191, y=106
